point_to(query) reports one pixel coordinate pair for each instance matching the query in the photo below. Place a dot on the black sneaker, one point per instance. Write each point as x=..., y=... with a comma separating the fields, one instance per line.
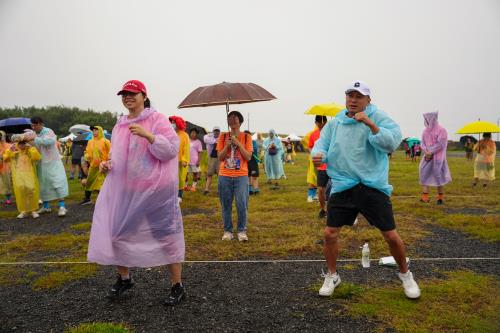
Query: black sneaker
x=177, y=294
x=440, y=202
x=85, y=202
x=322, y=214
x=120, y=286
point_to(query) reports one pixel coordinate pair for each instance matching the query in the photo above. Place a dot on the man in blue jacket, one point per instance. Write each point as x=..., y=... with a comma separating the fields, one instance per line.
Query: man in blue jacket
x=355, y=145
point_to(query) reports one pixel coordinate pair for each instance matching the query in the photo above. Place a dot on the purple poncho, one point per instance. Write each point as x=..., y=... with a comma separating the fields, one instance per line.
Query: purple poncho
x=137, y=220
x=434, y=172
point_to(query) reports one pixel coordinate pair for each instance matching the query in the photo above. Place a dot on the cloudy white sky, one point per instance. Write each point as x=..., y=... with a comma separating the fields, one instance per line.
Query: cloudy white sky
x=417, y=56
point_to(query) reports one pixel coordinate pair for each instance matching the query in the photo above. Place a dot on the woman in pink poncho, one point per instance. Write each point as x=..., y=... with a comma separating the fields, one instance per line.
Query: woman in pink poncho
x=434, y=167
x=137, y=220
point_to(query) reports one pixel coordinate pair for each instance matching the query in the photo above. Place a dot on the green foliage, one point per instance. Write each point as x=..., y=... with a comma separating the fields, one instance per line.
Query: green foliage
x=99, y=328
x=61, y=118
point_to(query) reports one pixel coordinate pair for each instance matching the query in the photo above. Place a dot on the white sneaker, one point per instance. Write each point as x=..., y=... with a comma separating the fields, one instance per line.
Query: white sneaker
x=62, y=211
x=310, y=199
x=179, y=200
x=410, y=286
x=44, y=210
x=331, y=281
x=315, y=198
x=242, y=236
x=227, y=236
x=22, y=215
x=35, y=215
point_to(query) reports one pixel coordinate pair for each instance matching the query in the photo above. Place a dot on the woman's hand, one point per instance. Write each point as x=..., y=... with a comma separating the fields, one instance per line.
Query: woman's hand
x=105, y=166
x=138, y=130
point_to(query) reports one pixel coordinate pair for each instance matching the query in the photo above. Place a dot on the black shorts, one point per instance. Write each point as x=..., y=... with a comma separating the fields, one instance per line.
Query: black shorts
x=253, y=168
x=322, y=178
x=376, y=207
x=76, y=161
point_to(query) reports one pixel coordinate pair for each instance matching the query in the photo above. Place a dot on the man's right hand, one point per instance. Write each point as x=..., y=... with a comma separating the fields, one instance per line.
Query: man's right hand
x=318, y=159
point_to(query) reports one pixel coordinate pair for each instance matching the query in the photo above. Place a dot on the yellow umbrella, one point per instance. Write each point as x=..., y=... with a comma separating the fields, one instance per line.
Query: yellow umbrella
x=479, y=127
x=325, y=109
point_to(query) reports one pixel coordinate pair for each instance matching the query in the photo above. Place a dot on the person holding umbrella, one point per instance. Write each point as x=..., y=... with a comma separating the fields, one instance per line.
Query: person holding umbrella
x=51, y=173
x=97, y=151
x=355, y=145
x=137, y=219
x=484, y=165
x=433, y=168
x=234, y=150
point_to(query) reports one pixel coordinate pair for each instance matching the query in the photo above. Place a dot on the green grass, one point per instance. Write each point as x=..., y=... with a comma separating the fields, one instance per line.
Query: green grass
x=99, y=328
x=464, y=302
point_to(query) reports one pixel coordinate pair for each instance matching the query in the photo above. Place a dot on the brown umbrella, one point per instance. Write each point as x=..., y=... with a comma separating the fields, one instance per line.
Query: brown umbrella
x=226, y=93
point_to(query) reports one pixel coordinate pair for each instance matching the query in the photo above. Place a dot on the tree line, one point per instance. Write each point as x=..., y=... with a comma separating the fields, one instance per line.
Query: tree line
x=61, y=118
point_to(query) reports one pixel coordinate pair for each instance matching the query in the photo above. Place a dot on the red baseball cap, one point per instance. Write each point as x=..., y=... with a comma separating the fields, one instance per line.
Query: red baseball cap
x=133, y=86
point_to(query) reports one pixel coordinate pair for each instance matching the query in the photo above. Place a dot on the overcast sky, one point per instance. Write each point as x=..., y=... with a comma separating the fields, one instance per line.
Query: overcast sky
x=416, y=56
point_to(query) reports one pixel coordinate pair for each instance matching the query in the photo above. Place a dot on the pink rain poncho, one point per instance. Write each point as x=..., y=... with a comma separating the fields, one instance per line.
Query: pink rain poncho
x=434, y=171
x=137, y=219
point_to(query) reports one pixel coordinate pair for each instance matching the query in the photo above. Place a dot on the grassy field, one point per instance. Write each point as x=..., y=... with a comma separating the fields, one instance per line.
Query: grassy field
x=283, y=225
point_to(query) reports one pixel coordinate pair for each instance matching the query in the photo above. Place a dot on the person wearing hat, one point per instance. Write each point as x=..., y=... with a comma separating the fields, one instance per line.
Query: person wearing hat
x=210, y=140
x=234, y=150
x=137, y=219
x=184, y=152
x=97, y=151
x=51, y=173
x=354, y=145
x=321, y=176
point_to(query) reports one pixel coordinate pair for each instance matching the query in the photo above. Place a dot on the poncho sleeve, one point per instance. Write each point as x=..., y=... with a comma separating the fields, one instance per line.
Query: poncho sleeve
x=34, y=154
x=47, y=139
x=166, y=144
x=322, y=145
x=440, y=144
x=389, y=136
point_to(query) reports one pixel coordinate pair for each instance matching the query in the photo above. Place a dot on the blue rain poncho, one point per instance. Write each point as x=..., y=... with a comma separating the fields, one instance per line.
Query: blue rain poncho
x=51, y=173
x=273, y=164
x=354, y=154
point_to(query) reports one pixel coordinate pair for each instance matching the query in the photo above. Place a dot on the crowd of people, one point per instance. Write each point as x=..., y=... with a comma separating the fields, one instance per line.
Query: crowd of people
x=141, y=176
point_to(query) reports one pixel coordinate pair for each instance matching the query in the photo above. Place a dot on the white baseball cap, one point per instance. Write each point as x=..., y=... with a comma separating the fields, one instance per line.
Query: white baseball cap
x=360, y=87
x=216, y=128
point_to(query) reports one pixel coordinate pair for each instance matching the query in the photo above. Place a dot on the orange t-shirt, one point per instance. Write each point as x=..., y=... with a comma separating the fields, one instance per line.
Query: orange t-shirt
x=312, y=140
x=234, y=165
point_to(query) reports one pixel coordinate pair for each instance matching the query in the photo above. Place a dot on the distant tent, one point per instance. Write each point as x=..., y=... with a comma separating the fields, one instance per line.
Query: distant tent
x=293, y=137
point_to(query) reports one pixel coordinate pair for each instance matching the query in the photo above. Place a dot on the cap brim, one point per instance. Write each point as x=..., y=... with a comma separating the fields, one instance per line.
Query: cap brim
x=129, y=90
x=354, y=89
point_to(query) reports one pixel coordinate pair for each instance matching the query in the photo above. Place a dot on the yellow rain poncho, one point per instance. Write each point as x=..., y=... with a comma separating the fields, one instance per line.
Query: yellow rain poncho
x=24, y=177
x=5, y=179
x=184, y=156
x=311, y=170
x=97, y=151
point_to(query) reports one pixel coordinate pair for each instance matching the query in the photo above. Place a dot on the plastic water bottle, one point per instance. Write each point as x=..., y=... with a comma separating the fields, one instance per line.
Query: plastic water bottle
x=365, y=255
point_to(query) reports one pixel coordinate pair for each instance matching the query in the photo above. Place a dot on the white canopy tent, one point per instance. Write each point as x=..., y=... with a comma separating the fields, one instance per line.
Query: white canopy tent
x=293, y=137
x=79, y=129
x=66, y=138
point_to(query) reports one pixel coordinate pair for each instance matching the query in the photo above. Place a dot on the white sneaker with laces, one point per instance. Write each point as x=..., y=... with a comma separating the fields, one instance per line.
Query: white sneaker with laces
x=331, y=281
x=242, y=236
x=35, y=215
x=62, y=211
x=22, y=215
x=410, y=286
x=44, y=210
x=227, y=236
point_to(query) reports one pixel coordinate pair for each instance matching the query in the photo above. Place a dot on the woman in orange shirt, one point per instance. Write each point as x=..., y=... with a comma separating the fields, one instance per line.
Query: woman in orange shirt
x=234, y=150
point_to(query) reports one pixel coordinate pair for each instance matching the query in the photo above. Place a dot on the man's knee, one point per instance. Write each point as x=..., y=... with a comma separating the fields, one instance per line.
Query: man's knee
x=331, y=234
x=392, y=237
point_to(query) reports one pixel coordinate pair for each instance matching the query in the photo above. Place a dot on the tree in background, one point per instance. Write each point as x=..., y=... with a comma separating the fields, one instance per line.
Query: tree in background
x=61, y=118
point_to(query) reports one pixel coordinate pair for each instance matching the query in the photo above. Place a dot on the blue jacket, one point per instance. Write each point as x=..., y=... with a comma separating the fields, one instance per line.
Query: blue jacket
x=354, y=154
